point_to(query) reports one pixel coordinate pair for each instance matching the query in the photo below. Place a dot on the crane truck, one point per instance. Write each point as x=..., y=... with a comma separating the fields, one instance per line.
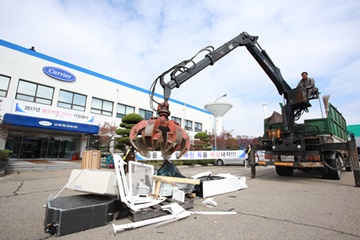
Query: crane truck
x=321, y=144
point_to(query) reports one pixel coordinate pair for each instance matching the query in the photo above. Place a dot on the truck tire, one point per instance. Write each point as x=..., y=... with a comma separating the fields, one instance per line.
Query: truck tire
x=334, y=172
x=325, y=172
x=284, y=171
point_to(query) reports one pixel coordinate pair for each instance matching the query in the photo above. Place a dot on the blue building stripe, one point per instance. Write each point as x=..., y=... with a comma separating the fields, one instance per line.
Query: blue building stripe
x=45, y=123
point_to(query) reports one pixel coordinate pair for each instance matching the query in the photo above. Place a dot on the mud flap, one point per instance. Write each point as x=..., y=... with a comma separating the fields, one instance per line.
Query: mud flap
x=354, y=160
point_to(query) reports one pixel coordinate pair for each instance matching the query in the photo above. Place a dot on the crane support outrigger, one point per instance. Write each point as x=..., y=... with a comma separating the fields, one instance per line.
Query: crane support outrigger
x=288, y=147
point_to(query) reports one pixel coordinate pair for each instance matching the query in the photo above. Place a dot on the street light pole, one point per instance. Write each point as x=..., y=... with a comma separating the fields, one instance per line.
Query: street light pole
x=216, y=123
x=220, y=97
x=215, y=133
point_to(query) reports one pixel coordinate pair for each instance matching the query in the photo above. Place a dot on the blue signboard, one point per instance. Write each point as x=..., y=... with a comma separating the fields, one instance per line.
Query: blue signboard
x=59, y=74
x=20, y=120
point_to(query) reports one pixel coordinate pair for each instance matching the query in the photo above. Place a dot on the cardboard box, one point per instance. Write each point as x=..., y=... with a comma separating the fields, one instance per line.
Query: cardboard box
x=91, y=159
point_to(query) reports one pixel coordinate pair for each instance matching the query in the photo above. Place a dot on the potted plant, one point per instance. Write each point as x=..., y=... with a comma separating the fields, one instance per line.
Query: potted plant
x=4, y=161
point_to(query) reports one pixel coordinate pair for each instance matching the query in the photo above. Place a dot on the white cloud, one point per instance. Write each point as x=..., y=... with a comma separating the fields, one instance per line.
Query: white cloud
x=135, y=41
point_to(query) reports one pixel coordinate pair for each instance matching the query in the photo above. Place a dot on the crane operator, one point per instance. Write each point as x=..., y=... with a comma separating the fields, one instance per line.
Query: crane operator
x=309, y=84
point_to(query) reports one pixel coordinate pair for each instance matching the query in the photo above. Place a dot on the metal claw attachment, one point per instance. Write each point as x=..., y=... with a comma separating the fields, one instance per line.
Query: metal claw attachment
x=160, y=133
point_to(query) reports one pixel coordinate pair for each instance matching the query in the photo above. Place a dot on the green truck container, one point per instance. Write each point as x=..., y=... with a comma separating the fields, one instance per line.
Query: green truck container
x=334, y=124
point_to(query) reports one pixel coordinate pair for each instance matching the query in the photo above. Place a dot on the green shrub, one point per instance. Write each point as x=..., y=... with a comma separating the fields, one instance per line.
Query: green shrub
x=123, y=132
x=124, y=140
x=202, y=136
x=4, y=155
x=132, y=118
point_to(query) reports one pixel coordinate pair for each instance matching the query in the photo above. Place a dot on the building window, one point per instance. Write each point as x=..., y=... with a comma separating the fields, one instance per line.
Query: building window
x=72, y=100
x=188, y=125
x=176, y=119
x=33, y=92
x=4, y=85
x=123, y=110
x=103, y=107
x=145, y=113
x=198, y=127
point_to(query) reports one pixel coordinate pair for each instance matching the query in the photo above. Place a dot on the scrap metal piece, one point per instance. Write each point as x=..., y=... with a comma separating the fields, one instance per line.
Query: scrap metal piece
x=177, y=212
x=211, y=213
x=210, y=201
x=133, y=202
x=171, y=180
x=220, y=184
x=62, y=213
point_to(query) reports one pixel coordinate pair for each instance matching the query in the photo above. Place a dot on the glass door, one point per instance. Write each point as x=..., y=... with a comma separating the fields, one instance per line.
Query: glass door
x=30, y=147
x=53, y=149
x=40, y=146
x=43, y=147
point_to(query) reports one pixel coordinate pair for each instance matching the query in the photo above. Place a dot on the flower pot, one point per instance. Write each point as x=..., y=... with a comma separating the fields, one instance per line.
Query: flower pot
x=3, y=166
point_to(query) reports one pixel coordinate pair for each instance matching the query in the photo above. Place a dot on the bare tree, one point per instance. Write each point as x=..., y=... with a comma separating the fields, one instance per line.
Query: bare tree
x=107, y=134
x=4, y=130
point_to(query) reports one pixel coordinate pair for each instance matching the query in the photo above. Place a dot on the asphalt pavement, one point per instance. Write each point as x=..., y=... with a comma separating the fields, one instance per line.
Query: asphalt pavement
x=304, y=206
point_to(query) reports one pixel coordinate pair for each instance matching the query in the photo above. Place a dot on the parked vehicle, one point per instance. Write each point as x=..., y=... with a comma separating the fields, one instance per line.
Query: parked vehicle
x=230, y=161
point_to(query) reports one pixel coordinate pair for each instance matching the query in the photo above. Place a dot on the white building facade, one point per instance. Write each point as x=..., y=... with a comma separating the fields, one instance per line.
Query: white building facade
x=49, y=108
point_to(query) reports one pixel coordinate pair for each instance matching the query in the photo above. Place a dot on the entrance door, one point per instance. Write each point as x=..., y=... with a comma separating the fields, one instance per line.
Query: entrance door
x=27, y=146
x=53, y=149
x=44, y=147
x=67, y=149
x=61, y=147
x=30, y=148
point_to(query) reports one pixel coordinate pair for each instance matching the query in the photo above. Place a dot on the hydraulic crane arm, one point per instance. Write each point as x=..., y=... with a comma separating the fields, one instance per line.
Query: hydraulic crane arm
x=179, y=76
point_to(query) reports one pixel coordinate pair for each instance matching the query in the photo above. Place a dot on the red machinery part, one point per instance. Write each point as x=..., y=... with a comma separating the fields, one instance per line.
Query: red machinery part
x=160, y=133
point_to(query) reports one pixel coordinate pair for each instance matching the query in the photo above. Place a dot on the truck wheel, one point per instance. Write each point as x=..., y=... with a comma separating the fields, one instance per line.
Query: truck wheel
x=334, y=172
x=219, y=162
x=325, y=172
x=284, y=171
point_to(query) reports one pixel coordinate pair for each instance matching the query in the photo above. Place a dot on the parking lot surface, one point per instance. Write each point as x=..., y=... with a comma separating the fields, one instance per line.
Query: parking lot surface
x=304, y=206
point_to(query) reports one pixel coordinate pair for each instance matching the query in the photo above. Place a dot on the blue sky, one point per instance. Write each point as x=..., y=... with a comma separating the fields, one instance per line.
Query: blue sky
x=135, y=41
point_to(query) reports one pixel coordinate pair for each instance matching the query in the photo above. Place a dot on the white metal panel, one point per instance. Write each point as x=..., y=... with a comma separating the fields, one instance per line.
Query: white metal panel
x=84, y=181
x=229, y=184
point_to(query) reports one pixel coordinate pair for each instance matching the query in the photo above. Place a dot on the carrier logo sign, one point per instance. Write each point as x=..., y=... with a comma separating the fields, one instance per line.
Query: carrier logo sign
x=59, y=74
x=45, y=123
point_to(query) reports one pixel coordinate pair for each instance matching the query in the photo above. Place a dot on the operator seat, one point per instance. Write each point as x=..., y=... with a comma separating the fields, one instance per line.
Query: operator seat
x=314, y=93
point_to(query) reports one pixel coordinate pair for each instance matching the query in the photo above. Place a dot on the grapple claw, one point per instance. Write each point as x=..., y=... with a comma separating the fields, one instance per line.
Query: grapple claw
x=159, y=133
x=148, y=140
x=177, y=140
